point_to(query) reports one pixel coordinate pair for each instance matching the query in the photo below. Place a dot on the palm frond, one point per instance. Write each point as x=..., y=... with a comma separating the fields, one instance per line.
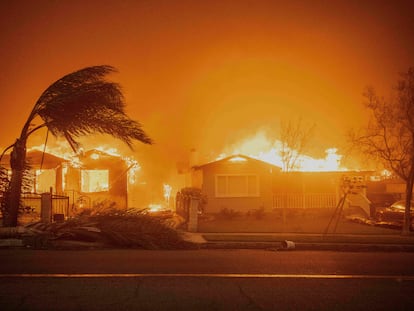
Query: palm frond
x=72, y=82
x=83, y=103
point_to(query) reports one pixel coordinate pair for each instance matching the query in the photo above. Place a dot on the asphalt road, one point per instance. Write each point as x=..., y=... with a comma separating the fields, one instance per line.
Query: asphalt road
x=205, y=280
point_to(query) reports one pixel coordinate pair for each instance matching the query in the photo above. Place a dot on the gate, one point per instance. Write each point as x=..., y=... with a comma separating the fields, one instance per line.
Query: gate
x=60, y=205
x=32, y=202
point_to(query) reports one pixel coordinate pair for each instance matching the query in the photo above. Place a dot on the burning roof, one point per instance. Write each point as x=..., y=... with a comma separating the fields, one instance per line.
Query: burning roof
x=97, y=158
x=37, y=159
x=236, y=158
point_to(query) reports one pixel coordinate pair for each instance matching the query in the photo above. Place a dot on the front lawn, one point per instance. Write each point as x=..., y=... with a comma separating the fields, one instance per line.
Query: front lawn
x=293, y=221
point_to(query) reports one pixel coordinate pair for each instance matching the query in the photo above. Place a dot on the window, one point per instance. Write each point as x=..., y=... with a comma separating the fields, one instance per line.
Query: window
x=94, y=180
x=44, y=180
x=237, y=186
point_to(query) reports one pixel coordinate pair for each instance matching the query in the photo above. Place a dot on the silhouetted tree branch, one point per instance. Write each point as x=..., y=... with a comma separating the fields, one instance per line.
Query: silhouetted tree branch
x=389, y=134
x=295, y=138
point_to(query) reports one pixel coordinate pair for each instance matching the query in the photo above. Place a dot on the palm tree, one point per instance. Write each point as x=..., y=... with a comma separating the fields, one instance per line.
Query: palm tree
x=80, y=103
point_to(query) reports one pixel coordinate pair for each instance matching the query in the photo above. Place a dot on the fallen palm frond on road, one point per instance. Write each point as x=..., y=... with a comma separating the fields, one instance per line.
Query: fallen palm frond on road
x=124, y=229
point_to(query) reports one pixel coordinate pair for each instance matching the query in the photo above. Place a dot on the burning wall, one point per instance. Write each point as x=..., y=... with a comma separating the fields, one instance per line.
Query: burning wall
x=101, y=177
x=93, y=176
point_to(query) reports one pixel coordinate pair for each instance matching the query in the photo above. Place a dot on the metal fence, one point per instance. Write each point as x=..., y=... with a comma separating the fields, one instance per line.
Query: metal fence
x=32, y=202
x=182, y=205
x=60, y=204
x=304, y=200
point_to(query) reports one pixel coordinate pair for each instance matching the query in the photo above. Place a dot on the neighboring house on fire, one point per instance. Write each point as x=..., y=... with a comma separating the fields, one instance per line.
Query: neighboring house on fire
x=96, y=177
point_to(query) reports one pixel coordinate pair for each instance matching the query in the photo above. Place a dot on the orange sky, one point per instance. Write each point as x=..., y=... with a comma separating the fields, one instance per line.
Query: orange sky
x=204, y=74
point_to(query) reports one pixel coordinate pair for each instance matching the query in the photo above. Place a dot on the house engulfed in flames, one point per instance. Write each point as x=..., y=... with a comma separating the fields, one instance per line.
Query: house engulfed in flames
x=90, y=178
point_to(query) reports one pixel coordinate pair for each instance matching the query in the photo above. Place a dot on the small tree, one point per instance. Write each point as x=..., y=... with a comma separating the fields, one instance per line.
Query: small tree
x=80, y=103
x=295, y=138
x=389, y=134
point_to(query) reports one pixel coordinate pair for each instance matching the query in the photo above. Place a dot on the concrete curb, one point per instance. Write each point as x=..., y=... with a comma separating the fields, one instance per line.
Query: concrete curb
x=276, y=242
x=332, y=242
x=345, y=247
x=11, y=243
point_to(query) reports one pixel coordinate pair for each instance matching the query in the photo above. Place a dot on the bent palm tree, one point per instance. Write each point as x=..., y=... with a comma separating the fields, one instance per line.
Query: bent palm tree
x=78, y=104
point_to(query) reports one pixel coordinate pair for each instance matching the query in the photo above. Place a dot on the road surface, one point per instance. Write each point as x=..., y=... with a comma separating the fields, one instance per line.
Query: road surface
x=205, y=280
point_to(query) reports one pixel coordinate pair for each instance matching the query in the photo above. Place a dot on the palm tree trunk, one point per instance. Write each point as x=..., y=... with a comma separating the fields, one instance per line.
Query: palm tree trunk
x=13, y=196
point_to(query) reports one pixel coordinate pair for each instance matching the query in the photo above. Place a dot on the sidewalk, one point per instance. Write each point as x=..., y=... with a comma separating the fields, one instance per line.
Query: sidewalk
x=335, y=242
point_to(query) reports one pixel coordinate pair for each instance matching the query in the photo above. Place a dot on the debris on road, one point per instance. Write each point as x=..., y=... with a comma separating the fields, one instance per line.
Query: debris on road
x=120, y=229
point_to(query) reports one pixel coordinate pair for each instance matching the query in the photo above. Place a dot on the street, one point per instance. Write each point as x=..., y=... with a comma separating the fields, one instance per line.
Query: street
x=205, y=280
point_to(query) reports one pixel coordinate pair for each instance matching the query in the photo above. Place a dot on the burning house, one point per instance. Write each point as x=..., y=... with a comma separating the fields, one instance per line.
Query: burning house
x=98, y=177
x=45, y=171
x=90, y=178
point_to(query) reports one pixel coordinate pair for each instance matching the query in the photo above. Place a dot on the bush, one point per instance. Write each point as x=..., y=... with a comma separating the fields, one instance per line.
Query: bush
x=257, y=213
x=228, y=214
x=184, y=197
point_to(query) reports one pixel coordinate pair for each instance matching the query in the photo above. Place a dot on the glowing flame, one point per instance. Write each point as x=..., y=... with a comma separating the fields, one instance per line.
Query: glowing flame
x=331, y=162
x=238, y=159
x=167, y=193
x=133, y=169
x=62, y=150
x=95, y=156
x=261, y=148
x=109, y=150
x=95, y=180
x=155, y=208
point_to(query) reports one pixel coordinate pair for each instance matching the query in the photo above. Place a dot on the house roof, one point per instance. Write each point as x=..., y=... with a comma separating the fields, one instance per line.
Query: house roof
x=236, y=158
x=97, y=159
x=100, y=152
